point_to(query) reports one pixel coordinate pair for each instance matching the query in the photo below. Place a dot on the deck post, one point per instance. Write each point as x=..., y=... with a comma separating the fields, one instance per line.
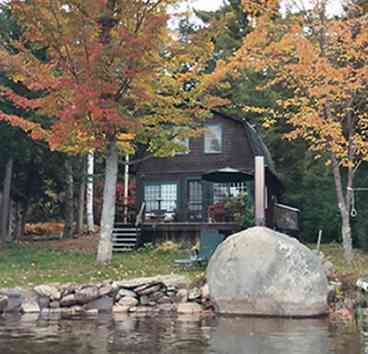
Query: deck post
x=259, y=191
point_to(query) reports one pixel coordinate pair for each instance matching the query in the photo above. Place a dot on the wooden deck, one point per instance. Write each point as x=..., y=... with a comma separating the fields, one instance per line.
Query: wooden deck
x=183, y=231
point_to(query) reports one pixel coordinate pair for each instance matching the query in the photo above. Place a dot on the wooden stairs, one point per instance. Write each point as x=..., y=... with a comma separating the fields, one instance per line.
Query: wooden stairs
x=125, y=237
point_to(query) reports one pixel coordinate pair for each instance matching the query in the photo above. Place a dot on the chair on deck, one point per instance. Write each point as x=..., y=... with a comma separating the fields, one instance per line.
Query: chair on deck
x=209, y=241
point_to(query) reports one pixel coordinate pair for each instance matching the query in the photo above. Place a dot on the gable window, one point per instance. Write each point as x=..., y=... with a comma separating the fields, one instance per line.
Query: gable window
x=213, y=139
x=160, y=197
x=185, y=144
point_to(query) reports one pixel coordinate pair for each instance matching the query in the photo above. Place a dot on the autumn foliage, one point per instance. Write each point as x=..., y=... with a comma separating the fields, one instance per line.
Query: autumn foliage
x=322, y=62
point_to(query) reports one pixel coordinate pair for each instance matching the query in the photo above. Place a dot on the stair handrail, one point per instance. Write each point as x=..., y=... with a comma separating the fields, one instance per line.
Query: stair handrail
x=139, y=218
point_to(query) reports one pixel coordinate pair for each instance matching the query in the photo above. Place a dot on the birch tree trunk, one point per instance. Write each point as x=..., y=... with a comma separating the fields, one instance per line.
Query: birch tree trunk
x=81, y=197
x=69, y=200
x=343, y=202
x=5, y=207
x=104, y=252
x=90, y=183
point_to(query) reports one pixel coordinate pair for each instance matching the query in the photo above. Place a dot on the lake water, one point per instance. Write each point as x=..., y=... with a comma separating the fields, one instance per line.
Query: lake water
x=176, y=335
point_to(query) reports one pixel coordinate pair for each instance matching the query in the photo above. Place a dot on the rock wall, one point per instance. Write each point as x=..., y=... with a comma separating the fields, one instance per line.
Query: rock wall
x=143, y=295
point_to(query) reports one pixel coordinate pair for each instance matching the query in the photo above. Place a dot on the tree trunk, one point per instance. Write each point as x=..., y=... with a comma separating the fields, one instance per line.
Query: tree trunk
x=104, y=252
x=4, y=227
x=90, y=183
x=346, y=236
x=69, y=200
x=20, y=220
x=126, y=188
x=82, y=197
x=344, y=208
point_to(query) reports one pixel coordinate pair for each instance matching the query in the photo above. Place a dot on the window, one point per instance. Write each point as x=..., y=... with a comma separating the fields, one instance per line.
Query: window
x=213, y=139
x=160, y=197
x=195, y=199
x=185, y=143
x=221, y=191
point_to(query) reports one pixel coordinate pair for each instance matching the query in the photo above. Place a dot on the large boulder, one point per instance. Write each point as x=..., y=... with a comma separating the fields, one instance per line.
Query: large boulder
x=262, y=272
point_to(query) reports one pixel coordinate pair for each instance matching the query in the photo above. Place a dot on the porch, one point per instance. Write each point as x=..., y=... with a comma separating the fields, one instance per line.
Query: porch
x=185, y=232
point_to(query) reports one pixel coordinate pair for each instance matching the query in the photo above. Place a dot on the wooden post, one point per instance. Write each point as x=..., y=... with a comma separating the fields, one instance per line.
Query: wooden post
x=126, y=187
x=259, y=191
x=319, y=239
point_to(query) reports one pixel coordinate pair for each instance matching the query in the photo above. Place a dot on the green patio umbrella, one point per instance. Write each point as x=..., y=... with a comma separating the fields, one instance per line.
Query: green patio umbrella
x=227, y=175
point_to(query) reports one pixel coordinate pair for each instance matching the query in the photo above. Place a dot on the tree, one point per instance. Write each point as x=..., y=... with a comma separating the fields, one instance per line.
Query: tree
x=113, y=76
x=323, y=62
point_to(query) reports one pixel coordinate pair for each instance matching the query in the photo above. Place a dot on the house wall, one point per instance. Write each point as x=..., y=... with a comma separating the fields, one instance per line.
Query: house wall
x=236, y=153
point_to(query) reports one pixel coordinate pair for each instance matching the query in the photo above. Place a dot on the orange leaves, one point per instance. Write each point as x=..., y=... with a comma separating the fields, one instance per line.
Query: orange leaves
x=34, y=129
x=324, y=64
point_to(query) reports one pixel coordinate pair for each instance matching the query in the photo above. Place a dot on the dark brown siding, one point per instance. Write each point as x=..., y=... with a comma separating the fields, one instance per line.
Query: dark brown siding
x=236, y=153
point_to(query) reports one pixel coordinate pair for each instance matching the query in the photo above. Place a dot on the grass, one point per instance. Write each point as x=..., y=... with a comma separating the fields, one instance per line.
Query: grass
x=335, y=253
x=29, y=265
x=26, y=265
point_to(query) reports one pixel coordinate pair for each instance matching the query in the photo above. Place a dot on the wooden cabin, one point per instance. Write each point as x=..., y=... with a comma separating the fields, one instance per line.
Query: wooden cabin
x=177, y=199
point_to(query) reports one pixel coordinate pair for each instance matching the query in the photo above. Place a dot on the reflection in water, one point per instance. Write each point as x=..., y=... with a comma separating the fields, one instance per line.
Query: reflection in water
x=179, y=335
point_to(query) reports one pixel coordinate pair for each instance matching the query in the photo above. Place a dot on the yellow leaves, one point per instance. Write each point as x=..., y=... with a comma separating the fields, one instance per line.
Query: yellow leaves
x=125, y=137
x=125, y=144
x=17, y=77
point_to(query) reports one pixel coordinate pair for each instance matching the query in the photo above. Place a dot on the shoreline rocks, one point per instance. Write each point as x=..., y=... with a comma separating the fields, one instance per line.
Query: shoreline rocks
x=167, y=294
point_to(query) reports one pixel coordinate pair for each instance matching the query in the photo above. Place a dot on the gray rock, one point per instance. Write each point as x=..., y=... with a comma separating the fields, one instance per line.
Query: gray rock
x=72, y=311
x=12, y=292
x=128, y=301
x=119, y=309
x=30, y=306
x=205, y=292
x=3, y=303
x=148, y=289
x=68, y=300
x=144, y=300
x=86, y=295
x=105, y=290
x=189, y=307
x=194, y=294
x=144, y=309
x=172, y=280
x=362, y=283
x=181, y=296
x=125, y=292
x=91, y=312
x=102, y=304
x=15, y=297
x=328, y=267
x=164, y=300
x=167, y=308
x=68, y=288
x=262, y=272
x=54, y=304
x=47, y=291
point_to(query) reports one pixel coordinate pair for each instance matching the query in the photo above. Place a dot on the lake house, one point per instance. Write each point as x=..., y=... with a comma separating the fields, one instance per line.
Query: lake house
x=176, y=197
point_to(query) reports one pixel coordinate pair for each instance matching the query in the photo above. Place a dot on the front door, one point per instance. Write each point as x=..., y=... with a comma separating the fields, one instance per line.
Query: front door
x=195, y=200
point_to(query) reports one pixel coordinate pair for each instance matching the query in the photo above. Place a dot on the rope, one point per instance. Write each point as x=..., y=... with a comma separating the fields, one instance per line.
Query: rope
x=353, y=212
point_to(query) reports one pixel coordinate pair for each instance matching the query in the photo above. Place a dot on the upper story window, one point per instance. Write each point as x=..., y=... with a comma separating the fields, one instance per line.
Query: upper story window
x=213, y=137
x=185, y=144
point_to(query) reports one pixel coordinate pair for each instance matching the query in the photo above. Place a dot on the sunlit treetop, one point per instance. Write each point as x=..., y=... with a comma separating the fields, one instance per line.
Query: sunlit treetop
x=112, y=67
